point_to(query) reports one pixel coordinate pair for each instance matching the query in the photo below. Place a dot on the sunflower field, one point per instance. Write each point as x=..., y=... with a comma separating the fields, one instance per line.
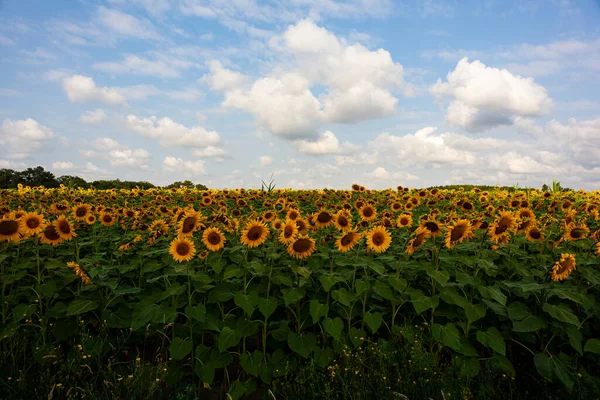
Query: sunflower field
x=233, y=290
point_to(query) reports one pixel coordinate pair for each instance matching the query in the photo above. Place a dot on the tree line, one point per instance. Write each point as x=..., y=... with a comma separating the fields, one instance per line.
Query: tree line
x=10, y=179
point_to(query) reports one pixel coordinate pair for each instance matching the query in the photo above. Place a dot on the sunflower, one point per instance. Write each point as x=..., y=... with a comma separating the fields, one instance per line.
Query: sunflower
x=190, y=223
x=64, y=228
x=50, y=235
x=563, y=268
x=292, y=214
x=342, y=220
x=182, y=249
x=499, y=229
x=404, y=220
x=85, y=278
x=378, y=239
x=421, y=235
x=106, y=219
x=598, y=249
x=213, y=239
x=32, y=223
x=9, y=229
x=575, y=232
x=323, y=219
x=288, y=232
x=277, y=224
x=302, y=225
x=268, y=216
x=90, y=219
x=81, y=212
x=533, y=234
x=203, y=254
x=302, y=247
x=367, y=212
x=254, y=234
x=347, y=241
x=460, y=231
x=433, y=226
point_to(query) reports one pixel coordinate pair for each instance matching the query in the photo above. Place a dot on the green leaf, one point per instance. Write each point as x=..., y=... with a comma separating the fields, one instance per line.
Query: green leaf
x=383, y=290
x=334, y=327
x=448, y=335
x=344, y=296
x=172, y=291
x=503, y=364
x=196, y=312
x=439, y=276
x=205, y=371
x=180, y=348
x=292, y=295
x=562, y=313
x=232, y=271
x=475, y=312
x=302, y=344
x=398, y=283
x=246, y=302
x=373, y=320
x=267, y=306
x=377, y=267
x=492, y=338
x=421, y=302
x=141, y=316
x=361, y=286
x=237, y=390
x=517, y=311
x=251, y=362
x=592, y=346
x=23, y=311
x=228, y=338
x=563, y=372
x=81, y=306
x=355, y=336
x=468, y=367
x=451, y=296
x=493, y=292
x=586, y=300
x=529, y=324
x=575, y=338
x=318, y=310
x=543, y=364
x=327, y=281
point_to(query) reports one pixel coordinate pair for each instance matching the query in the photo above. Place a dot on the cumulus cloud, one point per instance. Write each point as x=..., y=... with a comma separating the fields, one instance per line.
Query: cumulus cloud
x=172, y=134
x=328, y=143
x=485, y=97
x=380, y=173
x=23, y=137
x=223, y=79
x=106, y=144
x=265, y=160
x=124, y=24
x=578, y=140
x=83, y=89
x=93, y=117
x=188, y=167
x=62, y=165
x=210, y=151
x=357, y=84
x=136, y=158
x=133, y=64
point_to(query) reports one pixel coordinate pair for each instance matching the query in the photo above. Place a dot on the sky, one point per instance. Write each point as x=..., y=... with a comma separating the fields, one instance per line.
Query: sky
x=313, y=93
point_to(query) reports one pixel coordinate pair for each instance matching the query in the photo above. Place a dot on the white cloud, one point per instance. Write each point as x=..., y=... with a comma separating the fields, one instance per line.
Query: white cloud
x=265, y=160
x=93, y=117
x=380, y=173
x=209, y=151
x=223, y=79
x=485, y=97
x=184, y=95
x=172, y=134
x=83, y=89
x=106, y=144
x=5, y=41
x=10, y=92
x=360, y=158
x=22, y=137
x=62, y=165
x=188, y=167
x=579, y=140
x=137, y=158
x=124, y=24
x=154, y=7
x=38, y=55
x=328, y=143
x=133, y=64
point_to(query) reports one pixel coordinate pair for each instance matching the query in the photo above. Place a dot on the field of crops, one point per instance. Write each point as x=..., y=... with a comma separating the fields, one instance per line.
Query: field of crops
x=230, y=290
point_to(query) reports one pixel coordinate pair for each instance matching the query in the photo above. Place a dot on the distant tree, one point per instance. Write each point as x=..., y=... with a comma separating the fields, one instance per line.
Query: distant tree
x=73, y=181
x=178, y=184
x=545, y=188
x=36, y=177
x=201, y=187
x=7, y=177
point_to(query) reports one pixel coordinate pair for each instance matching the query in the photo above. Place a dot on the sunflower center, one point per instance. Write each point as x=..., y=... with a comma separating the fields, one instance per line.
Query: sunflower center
x=324, y=217
x=81, y=212
x=432, y=227
x=64, y=227
x=418, y=240
x=457, y=233
x=347, y=239
x=342, y=221
x=182, y=249
x=61, y=207
x=404, y=221
x=188, y=224
x=577, y=233
x=302, y=245
x=288, y=231
x=51, y=233
x=378, y=238
x=107, y=219
x=9, y=227
x=214, y=238
x=467, y=205
x=33, y=223
x=535, y=234
x=368, y=212
x=255, y=233
x=269, y=215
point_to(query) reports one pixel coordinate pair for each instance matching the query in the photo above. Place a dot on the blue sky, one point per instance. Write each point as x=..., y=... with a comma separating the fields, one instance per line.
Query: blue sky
x=320, y=93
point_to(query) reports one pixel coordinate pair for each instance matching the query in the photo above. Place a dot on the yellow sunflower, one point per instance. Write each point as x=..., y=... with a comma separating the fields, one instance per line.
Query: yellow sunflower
x=343, y=220
x=461, y=230
x=533, y=234
x=288, y=232
x=106, y=219
x=347, y=241
x=433, y=226
x=367, y=212
x=50, y=235
x=404, y=221
x=576, y=232
x=323, y=219
x=302, y=225
x=302, y=247
x=32, y=223
x=81, y=212
x=213, y=239
x=378, y=239
x=189, y=223
x=254, y=234
x=64, y=228
x=563, y=268
x=203, y=254
x=9, y=229
x=421, y=235
x=182, y=249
